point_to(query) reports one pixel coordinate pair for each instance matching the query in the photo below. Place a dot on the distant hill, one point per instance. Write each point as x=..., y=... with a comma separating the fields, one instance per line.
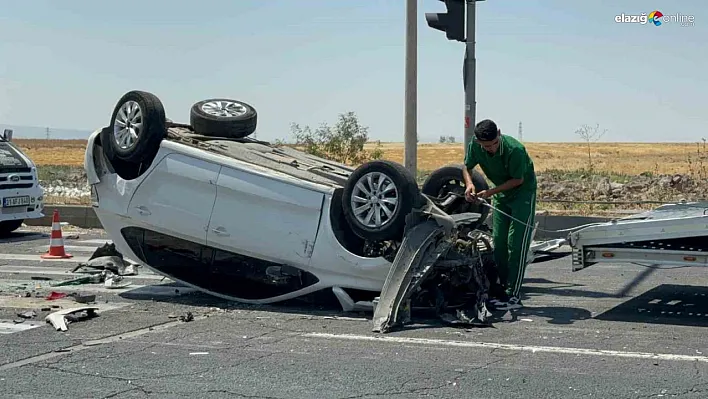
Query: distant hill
x=36, y=132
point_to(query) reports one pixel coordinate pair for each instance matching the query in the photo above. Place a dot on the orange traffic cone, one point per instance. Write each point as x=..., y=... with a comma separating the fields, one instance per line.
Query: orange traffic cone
x=56, y=241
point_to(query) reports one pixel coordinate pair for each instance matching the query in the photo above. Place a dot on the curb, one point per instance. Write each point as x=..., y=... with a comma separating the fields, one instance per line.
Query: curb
x=85, y=217
x=76, y=215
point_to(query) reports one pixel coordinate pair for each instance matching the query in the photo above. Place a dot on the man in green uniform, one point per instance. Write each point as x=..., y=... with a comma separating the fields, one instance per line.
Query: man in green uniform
x=506, y=163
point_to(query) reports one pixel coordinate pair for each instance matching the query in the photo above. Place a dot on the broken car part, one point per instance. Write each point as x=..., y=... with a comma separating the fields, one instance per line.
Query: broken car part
x=432, y=252
x=58, y=319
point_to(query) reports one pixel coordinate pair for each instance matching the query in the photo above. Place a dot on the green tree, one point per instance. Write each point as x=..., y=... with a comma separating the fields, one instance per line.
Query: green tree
x=344, y=142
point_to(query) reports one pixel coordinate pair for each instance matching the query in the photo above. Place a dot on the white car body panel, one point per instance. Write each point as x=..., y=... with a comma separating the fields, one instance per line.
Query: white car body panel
x=250, y=208
x=176, y=196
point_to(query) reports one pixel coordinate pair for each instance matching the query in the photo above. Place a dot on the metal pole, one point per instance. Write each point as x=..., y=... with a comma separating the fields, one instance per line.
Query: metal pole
x=470, y=72
x=410, y=140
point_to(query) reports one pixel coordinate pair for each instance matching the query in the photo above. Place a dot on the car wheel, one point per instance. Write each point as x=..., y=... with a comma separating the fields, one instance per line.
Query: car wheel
x=377, y=198
x=450, y=179
x=223, y=117
x=8, y=226
x=137, y=128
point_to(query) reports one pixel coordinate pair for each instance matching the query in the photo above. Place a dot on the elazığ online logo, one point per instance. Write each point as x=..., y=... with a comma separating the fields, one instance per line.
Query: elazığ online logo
x=655, y=17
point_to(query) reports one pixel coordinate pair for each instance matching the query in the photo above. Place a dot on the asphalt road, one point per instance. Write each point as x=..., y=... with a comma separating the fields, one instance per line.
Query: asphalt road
x=619, y=331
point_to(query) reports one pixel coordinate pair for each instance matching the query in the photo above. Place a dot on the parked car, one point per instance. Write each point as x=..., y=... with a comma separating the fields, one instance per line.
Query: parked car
x=22, y=195
x=208, y=206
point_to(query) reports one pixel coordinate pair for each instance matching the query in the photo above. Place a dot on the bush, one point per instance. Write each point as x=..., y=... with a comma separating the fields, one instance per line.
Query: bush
x=344, y=142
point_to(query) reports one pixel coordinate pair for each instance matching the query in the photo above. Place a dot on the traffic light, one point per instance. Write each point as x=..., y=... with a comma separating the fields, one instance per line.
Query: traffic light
x=452, y=22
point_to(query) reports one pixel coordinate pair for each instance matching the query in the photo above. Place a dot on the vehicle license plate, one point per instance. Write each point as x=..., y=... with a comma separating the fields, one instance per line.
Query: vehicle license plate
x=15, y=201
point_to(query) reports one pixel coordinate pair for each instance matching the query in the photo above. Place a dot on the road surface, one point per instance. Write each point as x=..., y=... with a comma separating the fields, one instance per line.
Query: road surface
x=620, y=331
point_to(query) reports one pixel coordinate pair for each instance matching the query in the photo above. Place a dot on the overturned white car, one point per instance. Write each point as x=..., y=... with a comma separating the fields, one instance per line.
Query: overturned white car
x=245, y=220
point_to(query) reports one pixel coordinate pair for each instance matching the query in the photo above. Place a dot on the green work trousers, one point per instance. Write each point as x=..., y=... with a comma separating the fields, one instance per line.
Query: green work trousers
x=512, y=239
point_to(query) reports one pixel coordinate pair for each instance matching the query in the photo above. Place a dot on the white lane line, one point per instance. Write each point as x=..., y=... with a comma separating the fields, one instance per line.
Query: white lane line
x=52, y=271
x=69, y=248
x=35, y=257
x=510, y=347
x=10, y=327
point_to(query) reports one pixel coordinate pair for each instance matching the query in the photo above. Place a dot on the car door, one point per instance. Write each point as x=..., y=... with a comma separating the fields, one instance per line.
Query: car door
x=176, y=198
x=265, y=218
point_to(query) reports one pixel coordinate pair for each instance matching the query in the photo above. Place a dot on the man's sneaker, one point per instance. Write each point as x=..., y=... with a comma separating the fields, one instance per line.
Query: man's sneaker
x=512, y=303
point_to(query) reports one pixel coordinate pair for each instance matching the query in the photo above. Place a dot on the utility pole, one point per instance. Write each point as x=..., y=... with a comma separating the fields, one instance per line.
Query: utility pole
x=456, y=28
x=47, y=130
x=521, y=134
x=470, y=75
x=410, y=123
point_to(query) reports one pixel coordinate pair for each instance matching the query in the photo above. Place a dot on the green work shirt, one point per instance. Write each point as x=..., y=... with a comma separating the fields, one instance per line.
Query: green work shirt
x=511, y=161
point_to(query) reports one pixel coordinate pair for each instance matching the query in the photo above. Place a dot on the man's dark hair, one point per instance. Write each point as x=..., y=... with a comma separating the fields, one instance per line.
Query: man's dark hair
x=486, y=130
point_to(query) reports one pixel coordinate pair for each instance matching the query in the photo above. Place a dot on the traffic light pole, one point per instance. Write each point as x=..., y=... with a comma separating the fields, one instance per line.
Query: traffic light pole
x=469, y=72
x=453, y=24
x=410, y=128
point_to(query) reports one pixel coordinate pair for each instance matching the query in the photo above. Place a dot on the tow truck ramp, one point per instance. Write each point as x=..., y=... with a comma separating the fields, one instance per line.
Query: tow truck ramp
x=672, y=235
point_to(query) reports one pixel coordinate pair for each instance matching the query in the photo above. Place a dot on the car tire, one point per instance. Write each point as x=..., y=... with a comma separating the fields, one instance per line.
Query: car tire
x=135, y=108
x=223, y=117
x=8, y=226
x=449, y=178
x=392, y=221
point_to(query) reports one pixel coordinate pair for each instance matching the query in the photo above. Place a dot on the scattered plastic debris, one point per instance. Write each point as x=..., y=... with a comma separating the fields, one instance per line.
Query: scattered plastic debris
x=60, y=318
x=187, y=317
x=55, y=295
x=28, y=314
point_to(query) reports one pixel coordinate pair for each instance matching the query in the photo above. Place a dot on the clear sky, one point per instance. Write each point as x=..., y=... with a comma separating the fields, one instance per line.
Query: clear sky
x=550, y=64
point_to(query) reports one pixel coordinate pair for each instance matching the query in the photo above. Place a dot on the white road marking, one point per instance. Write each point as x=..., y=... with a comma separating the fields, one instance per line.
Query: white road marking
x=511, y=347
x=53, y=271
x=36, y=257
x=69, y=248
x=63, y=303
x=10, y=327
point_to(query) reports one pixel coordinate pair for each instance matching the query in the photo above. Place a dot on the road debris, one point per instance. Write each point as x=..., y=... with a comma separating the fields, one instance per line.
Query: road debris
x=60, y=318
x=28, y=314
x=55, y=295
x=83, y=298
x=187, y=317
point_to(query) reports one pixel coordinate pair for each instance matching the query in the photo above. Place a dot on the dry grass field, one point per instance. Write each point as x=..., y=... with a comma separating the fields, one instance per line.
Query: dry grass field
x=616, y=158
x=53, y=152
